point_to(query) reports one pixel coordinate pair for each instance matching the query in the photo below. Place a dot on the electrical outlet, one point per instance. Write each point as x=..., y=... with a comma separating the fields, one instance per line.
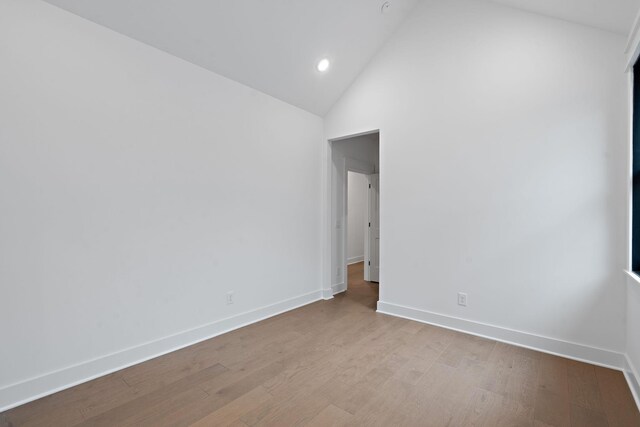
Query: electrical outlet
x=229, y=298
x=462, y=299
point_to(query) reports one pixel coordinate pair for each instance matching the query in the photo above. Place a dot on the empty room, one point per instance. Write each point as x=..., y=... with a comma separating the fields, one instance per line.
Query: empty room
x=320, y=213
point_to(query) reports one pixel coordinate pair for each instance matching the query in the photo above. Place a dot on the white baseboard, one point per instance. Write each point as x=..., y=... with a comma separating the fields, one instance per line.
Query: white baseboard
x=632, y=377
x=34, y=388
x=580, y=352
x=338, y=287
x=355, y=259
x=327, y=293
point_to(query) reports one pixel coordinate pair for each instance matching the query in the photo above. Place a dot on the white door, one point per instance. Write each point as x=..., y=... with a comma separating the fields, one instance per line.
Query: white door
x=372, y=264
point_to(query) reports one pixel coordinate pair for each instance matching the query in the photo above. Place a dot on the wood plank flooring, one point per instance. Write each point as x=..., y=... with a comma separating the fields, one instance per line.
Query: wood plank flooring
x=337, y=363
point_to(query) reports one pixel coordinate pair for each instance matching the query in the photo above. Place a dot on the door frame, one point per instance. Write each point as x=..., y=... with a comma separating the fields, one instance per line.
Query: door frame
x=367, y=231
x=329, y=244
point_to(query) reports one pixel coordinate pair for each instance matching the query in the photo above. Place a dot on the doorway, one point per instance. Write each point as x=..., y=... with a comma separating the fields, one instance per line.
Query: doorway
x=353, y=255
x=357, y=216
x=363, y=236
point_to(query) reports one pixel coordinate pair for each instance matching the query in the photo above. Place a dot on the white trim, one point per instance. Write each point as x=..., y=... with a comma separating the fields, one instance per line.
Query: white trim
x=630, y=172
x=354, y=135
x=338, y=288
x=326, y=233
x=327, y=294
x=632, y=377
x=634, y=276
x=355, y=259
x=373, y=205
x=366, y=273
x=570, y=350
x=632, y=51
x=34, y=388
x=632, y=382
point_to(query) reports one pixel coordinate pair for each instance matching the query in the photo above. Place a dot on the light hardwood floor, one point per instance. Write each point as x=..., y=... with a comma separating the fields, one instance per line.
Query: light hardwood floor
x=339, y=363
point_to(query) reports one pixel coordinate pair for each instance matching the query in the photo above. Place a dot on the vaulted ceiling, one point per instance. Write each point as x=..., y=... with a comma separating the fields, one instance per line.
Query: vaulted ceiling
x=274, y=45
x=611, y=15
x=270, y=45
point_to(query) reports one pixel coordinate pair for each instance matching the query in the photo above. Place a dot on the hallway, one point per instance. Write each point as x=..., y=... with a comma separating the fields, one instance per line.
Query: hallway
x=359, y=290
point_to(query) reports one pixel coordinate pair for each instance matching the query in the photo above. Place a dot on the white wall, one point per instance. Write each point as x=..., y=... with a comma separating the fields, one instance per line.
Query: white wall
x=502, y=145
x=356, y=213
x=136, y=189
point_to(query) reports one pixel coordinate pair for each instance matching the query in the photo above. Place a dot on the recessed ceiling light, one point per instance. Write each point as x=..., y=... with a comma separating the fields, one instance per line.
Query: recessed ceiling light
x=323, y=65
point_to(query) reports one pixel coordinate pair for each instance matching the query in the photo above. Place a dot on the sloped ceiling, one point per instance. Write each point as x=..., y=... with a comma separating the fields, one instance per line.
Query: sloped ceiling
x=612, y=15
x=274, y=45
x=270, y=45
